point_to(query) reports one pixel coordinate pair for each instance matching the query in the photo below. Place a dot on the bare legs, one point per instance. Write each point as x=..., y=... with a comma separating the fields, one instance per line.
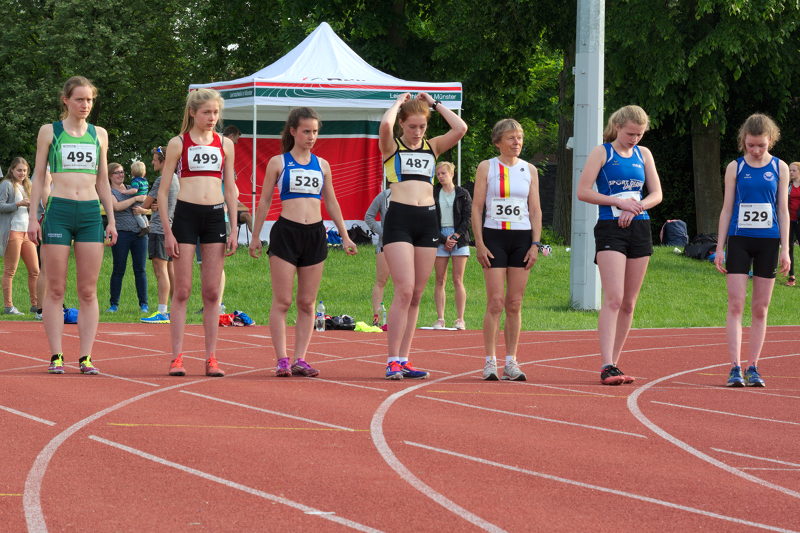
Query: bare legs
x=459, y=266
x=308, y=279
x=759, y=306
x=381, y=277
x=505, y=289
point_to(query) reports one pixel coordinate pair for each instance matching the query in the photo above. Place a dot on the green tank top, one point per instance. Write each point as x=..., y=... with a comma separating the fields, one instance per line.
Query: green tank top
x=74, y=154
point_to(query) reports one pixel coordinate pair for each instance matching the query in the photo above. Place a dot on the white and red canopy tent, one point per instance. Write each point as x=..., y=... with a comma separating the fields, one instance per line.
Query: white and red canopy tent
x=350, y=96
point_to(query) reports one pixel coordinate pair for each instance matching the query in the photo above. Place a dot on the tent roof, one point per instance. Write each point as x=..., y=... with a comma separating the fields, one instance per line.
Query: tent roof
x=322, y=71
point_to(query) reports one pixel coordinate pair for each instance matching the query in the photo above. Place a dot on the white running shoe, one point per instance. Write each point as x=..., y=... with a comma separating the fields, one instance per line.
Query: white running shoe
x=439, y=324
x=512, y=372
x=490, y=371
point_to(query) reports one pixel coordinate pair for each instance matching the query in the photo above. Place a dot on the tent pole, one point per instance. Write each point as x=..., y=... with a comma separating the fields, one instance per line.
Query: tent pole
x=459, y=153
x=255, y=151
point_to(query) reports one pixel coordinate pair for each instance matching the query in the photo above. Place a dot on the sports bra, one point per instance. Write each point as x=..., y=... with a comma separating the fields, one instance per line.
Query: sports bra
x=74, y=154
x=201, y=159
x=406, y=164
x=300, y=181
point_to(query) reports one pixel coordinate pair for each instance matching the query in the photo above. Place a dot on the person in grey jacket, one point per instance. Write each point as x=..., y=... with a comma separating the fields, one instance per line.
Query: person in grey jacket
x=379, y=205
x=15, y=193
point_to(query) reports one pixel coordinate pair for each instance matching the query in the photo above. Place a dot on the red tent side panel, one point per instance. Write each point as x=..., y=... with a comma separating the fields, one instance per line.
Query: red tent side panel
x=355, y=167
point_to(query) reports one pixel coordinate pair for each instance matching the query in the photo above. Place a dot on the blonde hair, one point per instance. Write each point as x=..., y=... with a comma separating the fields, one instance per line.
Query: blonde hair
x=26, y=183
x=194, y=101
x=795, y=163
x=293, y=121
x=138, y=169
x=448, y=165
x=756, y=125
x=623, y=115
x=69, y=86
x=502, y=126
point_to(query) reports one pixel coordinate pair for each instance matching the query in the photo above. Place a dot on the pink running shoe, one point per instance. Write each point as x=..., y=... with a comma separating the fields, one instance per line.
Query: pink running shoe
x=176, y=367
x=301, y=368
x=284, y=370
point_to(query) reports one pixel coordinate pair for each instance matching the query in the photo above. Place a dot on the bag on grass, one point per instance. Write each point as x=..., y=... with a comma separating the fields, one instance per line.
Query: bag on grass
x=334, y=239
x=674, y=233
x=225, y=320
x=70, y=315
x=343, y=322
x=358, y=235
x=240, y=318
x=701, y=246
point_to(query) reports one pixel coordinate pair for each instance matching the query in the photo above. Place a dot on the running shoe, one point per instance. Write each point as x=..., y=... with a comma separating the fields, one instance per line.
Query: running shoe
x=87, y=367
x=37, y=316
x=512, y=372
x=735, y=377
x=155, y=318
x=490, y=371
x=791, y=282
x=627, y=379
x=176, y=367
x=112, y=308
x=144, y=309
x=612, y=375
x=752, y=378
x=394, y=370
x=212, y=369
x=301, y=368
x=460, y=324
x=284, y=369
x=410, y=372
x=439, y=324
x=12, y=311
x=56, y=364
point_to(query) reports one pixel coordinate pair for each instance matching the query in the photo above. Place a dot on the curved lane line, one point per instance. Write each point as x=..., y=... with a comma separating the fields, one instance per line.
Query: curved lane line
x=379, y=440
x=633, y=407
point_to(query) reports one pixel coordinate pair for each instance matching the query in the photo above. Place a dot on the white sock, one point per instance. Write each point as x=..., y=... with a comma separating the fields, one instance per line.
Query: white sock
x=510, y=358
x=162, y=308
x=393, y=358
x=491, y=358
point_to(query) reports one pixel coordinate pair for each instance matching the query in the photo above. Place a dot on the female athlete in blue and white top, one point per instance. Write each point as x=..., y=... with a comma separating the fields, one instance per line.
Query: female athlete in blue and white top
x=623, y=242
x=297, y=242
x=754, y=221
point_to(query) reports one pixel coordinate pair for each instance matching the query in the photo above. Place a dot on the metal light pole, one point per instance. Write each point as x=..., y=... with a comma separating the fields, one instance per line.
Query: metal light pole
x=590, y=39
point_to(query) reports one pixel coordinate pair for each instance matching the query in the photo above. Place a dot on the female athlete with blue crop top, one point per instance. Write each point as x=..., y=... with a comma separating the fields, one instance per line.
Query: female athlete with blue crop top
x=76, y=154
x=623, y=244
x=411, y=228
x=755, y=222
x=297, y=241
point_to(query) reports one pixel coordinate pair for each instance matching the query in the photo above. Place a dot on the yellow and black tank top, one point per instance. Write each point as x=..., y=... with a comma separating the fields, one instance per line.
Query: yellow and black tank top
x=406, y=164
x=74, y=154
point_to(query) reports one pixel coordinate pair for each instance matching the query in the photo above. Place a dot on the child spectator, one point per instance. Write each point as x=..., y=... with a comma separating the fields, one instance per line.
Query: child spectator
x=139, y=187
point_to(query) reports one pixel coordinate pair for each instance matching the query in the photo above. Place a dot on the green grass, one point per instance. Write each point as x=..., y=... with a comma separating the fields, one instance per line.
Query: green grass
x=677, y=292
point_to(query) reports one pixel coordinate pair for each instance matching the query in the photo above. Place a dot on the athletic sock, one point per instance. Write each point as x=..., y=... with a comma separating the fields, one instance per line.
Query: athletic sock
x=490, y=358
x=393, y=358
x=162, y=308
x=510, y=358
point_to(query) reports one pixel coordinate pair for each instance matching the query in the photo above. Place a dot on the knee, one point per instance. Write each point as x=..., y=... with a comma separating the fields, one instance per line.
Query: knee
x=87, y=294
x=403, y=294
x=305, y=305
x=495, y=305
x=612, y=303
x=211, y=294
x=181, y=294
x=759, y=312
x=513, y=306
x=281, y=303
x=627, y=306
x=735, y=306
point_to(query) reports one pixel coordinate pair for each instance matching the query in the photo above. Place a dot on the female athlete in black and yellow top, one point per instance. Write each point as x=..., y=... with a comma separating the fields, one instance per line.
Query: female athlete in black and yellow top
x=203, y=161
x=411, y=227
x=76, y=153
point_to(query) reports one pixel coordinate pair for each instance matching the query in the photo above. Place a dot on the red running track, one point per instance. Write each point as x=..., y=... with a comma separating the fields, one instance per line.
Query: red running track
x=136, y=450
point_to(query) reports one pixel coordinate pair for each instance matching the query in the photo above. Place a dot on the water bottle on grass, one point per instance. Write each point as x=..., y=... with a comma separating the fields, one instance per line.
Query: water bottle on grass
x=319, y=319
x=383, y=315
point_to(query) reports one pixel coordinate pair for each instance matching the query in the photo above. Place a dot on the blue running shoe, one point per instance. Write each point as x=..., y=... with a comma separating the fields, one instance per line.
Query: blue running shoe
x=112, y=308
x=144, y=308
x=412, y=373
x=394, y=370
x=752, y=378
x=155, y=318
x=735, y=377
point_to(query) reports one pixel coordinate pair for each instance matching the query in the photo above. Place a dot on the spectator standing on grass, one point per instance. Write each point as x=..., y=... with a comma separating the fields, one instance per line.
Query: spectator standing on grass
x=507, y=223
x=454, y=209
x=754, y=223
x=411, y=230
x=76, y=153
x=621, y=169
x=203, y=160
x=15, y=200
x=129, y=241
x=163, y=266
x=139, y=187
x=794, y=225
x=378, y=206
x=297, y=241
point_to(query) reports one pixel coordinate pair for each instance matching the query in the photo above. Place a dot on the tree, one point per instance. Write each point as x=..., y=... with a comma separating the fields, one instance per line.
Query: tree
x=683, y=60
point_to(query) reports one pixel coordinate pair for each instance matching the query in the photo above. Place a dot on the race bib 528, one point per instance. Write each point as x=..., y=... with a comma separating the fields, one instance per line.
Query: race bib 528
x=305, y=181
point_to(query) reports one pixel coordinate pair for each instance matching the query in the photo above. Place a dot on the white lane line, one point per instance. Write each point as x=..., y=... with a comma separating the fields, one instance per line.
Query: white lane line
x=566, y=389
x=541, y=418
x=726, y=413
x=269, y=411
x=26, y=415
x=748, y=456
x=347, y=384
x=115, y=343
x=379, y=440
x=32, y=495
x=633, y=407
x=599, y=488
x=783, y=469
x=325, y=515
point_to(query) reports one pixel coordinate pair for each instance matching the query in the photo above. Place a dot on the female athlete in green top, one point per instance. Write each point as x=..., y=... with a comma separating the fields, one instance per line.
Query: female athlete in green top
x=76, y=153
